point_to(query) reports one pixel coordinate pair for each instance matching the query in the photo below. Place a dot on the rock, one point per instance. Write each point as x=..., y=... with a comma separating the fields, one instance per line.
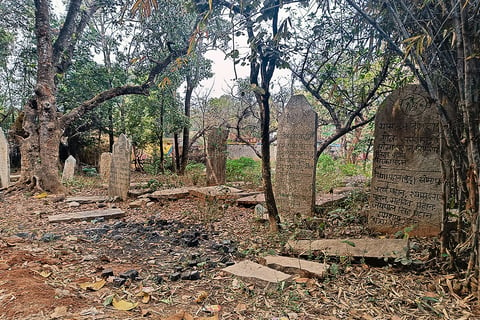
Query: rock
x=74, y=204
x=130, y=274
x=86, y=215
x=49, y=237
x=190, y=275
x=174, y=276
x=158, y=279
x=118, y=282
x=107, y=273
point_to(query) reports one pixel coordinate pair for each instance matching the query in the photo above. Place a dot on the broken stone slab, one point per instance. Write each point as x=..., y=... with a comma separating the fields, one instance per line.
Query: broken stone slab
x=87, y=215
x=296, y=266
x=172, y=194
x=323, y=199
x=87, y=199
x=221, y=192
x=138, y=203
x=251, y=200
x=135, y=193
x=139, y=185
x=370, y=248
x=257, y=273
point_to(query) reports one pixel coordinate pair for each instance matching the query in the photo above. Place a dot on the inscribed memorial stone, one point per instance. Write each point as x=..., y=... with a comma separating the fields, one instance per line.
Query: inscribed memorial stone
x=216, y=156
x=295, y=166
x=407, y=183
x=105, y=162
x=4, y=161
x=120, y=168
x=69, y=169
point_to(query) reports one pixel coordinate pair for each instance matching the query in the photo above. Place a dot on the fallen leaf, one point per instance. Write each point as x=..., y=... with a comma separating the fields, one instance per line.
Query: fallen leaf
x=201, y=297
x=108, y=300
x=240, y=308
x=123, y=305
x=180, y=316
x=59, y=312
x=212, y=308
x=41, y=195
x=45, y=274
x=146, y=297
x=302, y=280
x=215, y=317
x=95, y=286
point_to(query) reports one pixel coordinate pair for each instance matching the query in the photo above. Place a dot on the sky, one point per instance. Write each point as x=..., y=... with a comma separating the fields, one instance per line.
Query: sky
x=222, y=69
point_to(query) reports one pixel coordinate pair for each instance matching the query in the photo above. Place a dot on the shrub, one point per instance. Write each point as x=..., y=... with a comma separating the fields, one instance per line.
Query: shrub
x=244, y=169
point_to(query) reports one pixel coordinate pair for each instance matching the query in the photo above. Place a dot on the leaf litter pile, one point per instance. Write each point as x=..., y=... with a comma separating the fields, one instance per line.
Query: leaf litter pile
x=164, y=260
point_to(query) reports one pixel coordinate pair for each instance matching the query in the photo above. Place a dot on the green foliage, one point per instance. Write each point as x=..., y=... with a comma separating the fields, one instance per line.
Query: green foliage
x=244, y=169
x=332, y=173
x=196, y=172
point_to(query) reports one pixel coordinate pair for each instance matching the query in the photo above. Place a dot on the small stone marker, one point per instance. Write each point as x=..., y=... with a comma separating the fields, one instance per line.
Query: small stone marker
x=407, y=183
x=120, y=168
x=295, y=166
x=4, y=161
x=216, y=156
x=293, y=265
x=371, y=248
x=87, y=215
x=105, y=162
x=254, y=272
x=69, y=168
x=87, y=199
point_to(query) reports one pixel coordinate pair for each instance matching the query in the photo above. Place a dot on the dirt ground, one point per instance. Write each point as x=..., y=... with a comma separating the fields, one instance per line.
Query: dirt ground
x=55, y=270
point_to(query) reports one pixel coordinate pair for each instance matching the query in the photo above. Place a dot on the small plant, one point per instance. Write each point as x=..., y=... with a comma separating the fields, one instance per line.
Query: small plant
x=244, y=169
x=195, y=172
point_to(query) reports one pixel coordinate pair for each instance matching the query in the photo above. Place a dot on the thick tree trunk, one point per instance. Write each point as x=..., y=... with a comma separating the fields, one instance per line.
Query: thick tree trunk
x=39, y=138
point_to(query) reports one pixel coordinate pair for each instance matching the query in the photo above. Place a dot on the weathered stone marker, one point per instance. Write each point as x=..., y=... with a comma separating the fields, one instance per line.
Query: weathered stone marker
x=120, y=168
x=69, y=168
x=295, y=166
x=216, y=156
x=4, y=161
x=105, y=162
x=407, y=183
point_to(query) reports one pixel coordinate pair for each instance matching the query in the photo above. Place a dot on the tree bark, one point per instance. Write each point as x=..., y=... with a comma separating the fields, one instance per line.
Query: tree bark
x=186, y=129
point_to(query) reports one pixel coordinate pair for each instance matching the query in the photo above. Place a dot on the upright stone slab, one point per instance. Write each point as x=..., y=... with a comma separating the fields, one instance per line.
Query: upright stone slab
x=4, y=161
x=120, y=168
x=407, y=183
x=295, y=166
x=69, y=168
x=216, y=156
x=105, y=162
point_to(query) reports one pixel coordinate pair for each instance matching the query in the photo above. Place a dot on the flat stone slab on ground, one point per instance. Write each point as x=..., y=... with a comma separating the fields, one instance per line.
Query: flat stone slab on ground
x=87, y=199
x=173, y=194
x=138, y=192
x=321, y=199
x=370, y=248
x=251, y=200
x=216, y=192
x=251, y=271
x=293, y=265
x=87, y=215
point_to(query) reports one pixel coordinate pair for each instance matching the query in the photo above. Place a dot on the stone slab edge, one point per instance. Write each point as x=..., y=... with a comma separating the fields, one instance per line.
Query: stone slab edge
x=256, y=273
x=373, y=248
x=87, y=215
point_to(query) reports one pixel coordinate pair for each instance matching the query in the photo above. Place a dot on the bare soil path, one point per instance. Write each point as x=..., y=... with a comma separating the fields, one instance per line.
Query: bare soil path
x=54, y=270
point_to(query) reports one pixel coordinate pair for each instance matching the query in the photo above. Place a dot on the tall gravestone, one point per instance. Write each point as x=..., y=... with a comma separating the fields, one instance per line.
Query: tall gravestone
x=120, y=168
x=69, y=169
x=4, y=161
x=105, y=162
x=295, y=165
x=216, y=156
x=407, y=183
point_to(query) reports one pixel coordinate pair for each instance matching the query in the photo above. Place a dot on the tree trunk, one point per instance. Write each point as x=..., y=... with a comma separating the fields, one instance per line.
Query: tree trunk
x=176, y=165
x=186, y=129
x=39, y=138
